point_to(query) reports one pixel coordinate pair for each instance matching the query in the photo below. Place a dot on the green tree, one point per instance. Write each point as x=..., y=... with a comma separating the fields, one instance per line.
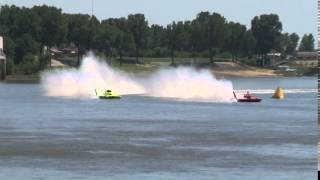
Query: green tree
x=236, y=37
x=249, y=44
x=183, y=36
x=121, y=23
x=157, y=37
x=20, y=28
x=307, y=43
x=78, y=32
x=9, y=47
x=172, y=33
x=294, y=40
x=215, y=34
x=202, y=22
x=119, y=35
x=106, y=39
x=92, y=33
x=289, y=43
x=123, y=41
x=196, y=38
x=138, y=27
x=267, y=32
x=23, y=46
x=53, y=26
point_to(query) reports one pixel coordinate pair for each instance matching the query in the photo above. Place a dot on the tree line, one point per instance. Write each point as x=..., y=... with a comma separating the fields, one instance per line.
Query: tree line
x=27, y=31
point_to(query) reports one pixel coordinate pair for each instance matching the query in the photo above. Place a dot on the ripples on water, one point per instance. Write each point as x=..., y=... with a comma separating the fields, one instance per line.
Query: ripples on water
x=141, y=137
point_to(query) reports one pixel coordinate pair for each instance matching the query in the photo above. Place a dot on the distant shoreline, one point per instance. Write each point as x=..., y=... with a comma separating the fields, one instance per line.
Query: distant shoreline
x=23, y=79
x=220, y=69
x=248, y=73
x=35, y=79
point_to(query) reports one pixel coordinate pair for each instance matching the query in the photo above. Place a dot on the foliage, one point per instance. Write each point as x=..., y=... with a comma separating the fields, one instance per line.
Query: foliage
x=9, y=66
x=267, y=32
x=236, y=38
x=27, y=31
x=82, y=31
x=172, y=34
x=138, y=27
x=289, y=43
x=44, y=61
x=307, y=43
x=53, y=25
x=29, y=65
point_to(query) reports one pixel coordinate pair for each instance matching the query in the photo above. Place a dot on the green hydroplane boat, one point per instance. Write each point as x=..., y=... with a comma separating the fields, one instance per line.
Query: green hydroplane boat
x=107, y=94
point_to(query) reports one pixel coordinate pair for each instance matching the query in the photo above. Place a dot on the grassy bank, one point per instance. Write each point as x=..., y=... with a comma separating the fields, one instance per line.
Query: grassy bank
x=18, y=78
x=220, y=68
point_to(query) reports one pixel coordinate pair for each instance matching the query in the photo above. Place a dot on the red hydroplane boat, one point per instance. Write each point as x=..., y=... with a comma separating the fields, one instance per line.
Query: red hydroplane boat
x=247, y=98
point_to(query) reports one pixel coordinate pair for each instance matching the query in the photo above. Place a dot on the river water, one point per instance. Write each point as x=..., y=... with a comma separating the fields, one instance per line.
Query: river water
x=140, y=137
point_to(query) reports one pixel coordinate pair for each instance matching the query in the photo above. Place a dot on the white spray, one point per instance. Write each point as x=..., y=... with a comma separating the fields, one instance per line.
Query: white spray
x=187, y=83
x=181, y=83
x=92, y=74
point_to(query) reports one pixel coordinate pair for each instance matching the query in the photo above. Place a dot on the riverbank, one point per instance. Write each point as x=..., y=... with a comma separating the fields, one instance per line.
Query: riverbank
x=150, y=65
x=241, y=70
x=219, y=69
x=18, y=78
x=147, y=70
x=248, y=73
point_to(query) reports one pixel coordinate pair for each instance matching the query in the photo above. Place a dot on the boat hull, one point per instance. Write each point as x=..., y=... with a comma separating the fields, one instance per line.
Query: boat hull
x=108, y=94
x=109, y=97
x=249, y=100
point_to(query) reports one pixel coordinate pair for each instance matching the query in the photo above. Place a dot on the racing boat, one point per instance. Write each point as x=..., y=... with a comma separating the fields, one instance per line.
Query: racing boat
x=247, y=98
x=107, y=94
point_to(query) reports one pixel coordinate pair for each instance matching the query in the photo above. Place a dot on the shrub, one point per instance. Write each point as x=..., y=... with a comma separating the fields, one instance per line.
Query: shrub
x=44, y=60
x=225, y=55
x=29, y=65
x=9, y=66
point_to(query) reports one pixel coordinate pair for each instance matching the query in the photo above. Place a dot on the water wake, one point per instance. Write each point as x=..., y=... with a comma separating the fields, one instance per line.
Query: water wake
x=271, y=91
x=188, y=83
x=181, y=83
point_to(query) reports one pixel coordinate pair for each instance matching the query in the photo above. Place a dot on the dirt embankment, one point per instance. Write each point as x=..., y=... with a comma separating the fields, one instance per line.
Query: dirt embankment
x=220, y=69
x=241, y=70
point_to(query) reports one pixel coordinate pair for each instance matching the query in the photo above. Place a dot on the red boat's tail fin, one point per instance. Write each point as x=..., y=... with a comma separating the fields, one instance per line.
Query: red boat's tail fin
x=234, y=94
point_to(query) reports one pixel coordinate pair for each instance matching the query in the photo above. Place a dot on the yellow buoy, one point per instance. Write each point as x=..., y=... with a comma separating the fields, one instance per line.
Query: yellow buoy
x=279, y=93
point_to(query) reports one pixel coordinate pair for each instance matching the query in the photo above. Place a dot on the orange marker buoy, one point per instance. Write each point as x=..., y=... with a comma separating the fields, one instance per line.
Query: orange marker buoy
x=279, y=93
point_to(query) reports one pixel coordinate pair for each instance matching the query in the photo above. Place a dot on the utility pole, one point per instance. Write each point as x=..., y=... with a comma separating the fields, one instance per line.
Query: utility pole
x=92, y=8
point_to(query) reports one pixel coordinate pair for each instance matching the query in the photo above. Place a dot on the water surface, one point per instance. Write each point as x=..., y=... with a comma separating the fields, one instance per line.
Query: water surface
x=141, y=137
